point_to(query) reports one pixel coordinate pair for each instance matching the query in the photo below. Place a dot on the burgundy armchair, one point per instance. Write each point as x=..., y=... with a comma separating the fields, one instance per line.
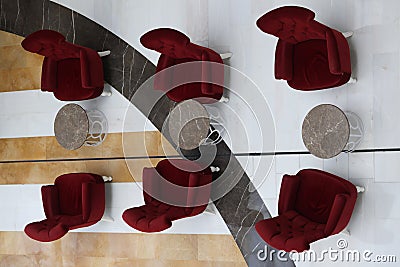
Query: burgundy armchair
x=70, y=71
x=312, y=205
x=176, y=48
x=189, y=199
x=309, y=55
x=75, y=200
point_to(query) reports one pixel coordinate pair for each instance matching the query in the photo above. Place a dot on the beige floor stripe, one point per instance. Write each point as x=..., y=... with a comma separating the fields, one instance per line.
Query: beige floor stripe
x=141, y=144
x=19, y=69
x=106, y=249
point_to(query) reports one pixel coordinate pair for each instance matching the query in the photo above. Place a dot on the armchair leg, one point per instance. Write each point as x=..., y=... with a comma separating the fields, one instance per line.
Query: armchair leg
x=224, y=100
x=226, y=55
x=346, y=231
x=104, y=53
x=210, y=209
x=214, y=169
x=347, y=34
x=107, y=218
x=360, y=189
x=352, y=80
x=106, y=90
x=107, y=178
x=106, y=93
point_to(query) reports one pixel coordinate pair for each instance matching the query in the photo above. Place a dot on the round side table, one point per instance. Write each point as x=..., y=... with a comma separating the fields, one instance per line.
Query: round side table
x=188, y=124
x=75, y=127
x=327, y=131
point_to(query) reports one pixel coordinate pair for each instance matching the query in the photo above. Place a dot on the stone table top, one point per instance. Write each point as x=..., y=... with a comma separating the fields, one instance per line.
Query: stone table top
x=71, y=126
x=325, y=131
x=188, y=124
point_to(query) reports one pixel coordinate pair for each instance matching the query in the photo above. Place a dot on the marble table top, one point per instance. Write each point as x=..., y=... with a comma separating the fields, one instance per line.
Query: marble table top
x=325, y=131
x=71, y=126
x=188, y=124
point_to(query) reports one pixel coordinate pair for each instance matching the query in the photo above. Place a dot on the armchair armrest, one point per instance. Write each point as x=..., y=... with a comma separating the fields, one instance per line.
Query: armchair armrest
x=93, y=201
x=213, y=72
x=332, y=225
x=49, y=75
x=163, y=78
x=50, y=201
x=338, y=52
x=91, y=69
x=284, y=60
x=197, y=194
x=151, y=187
x=288, y=193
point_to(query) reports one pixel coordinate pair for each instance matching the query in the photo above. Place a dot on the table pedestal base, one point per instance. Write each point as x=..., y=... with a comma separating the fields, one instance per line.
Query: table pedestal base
x=98, y=128
x=356, y=131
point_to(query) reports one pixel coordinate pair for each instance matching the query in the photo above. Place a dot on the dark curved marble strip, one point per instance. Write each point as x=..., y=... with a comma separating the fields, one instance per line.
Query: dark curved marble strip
x=126, y=69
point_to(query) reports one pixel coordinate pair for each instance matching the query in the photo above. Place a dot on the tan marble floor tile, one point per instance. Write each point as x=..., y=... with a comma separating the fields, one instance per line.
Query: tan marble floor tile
x=196, y=263
x=18, y=79
x=165, y=148
x=119, y=170
x=26, y=79
x=47, y=172
x=32, y=59
x=18, y=261
x=24, y=173
x=100, y=167
x=131, y=144
x=32, y=148
x=218, y=248
x=112, y=145
x=7, y=38
x=12, y=57
x=12, y=240
x=93, y=245
x=55, y=151
x=132, y=246
x=94, y=262
x=68, y=244
x=146, y=246
x=56, y=169
x=107, y=249
x=144, y=263
x=134, y=167
x=177, y=247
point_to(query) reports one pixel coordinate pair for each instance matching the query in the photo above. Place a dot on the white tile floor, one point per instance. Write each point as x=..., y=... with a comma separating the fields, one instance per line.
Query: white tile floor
x=31, y=113
x=229, y=25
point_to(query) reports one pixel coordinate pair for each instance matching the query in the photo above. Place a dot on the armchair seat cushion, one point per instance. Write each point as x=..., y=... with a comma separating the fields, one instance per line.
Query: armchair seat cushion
x=47, y=230
x=312, y=69
x=147, y=219
x=290, y=231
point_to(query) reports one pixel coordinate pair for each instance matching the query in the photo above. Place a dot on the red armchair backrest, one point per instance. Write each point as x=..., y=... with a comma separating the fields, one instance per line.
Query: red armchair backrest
x=167, y=41
x=70, y=193
x=174, y=44
x=292, y=24
x=179, y=172
x=50, y=44
x=317, y=191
